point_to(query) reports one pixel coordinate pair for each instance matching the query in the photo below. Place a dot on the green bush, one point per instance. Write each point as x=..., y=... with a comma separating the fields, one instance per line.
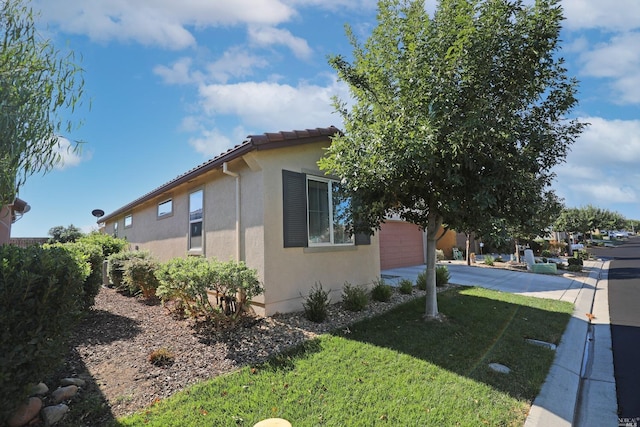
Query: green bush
x=442, y=275
x=316, y=304
x=92, y=255
x=186, y=281
x=421, y=281
x=381, y=291
x=41, y=301
x=405, y=286
x=574, y=261
x=117, y=265
x=109, y=244
x=139, y=276
x=354, y=298
x=489, y=260
x=574, y=268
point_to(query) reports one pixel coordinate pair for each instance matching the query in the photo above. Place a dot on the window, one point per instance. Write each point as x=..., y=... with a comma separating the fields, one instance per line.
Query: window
x=328, y=210
x=195, y=219
x=165, y=208
x=315, y=213
x=128, y=221
x=115, y=229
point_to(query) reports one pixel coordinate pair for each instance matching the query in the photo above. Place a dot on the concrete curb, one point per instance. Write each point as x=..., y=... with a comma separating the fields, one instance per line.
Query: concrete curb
x=582, y=371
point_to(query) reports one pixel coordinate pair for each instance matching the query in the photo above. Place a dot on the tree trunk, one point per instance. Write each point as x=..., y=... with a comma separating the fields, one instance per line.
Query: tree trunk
x=517, y=250
x=468, y=248
x=434, y=222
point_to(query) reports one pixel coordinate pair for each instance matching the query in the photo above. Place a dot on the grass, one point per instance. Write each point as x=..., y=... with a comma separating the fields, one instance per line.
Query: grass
x=395, y=369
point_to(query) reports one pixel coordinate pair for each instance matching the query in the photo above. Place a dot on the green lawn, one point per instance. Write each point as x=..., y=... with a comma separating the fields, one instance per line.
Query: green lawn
x=393, y=370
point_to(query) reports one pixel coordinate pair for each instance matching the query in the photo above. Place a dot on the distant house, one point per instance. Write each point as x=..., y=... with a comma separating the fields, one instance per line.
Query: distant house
x=264, y=202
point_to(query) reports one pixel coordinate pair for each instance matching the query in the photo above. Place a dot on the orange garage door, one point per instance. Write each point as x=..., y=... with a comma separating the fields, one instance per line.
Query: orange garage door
x=401, y=245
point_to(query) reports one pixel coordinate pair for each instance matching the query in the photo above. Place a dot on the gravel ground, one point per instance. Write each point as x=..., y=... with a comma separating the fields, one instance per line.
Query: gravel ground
x=111, y=347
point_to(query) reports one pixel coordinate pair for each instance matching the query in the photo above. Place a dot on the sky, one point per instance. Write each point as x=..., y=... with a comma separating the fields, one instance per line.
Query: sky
x=171, y=84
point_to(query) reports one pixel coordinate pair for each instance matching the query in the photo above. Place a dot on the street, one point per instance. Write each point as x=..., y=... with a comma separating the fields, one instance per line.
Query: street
x=624, y=303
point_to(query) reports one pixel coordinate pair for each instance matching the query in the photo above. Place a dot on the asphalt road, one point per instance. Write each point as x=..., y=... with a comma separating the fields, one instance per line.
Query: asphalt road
x=624, y=312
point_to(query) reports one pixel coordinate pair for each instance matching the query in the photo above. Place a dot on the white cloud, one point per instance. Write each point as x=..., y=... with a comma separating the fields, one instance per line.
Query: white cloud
x=164, y=23
x=617, y=59
x=235, y=62
x=211, y=142
x=70, y=155
x=178, y=73
x=601, y=168
x=268, y=36
x=273, y=106
x=618, y=15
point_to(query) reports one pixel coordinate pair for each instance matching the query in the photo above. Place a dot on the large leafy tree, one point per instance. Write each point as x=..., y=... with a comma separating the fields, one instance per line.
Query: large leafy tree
x=39, y=85
x=456, y=118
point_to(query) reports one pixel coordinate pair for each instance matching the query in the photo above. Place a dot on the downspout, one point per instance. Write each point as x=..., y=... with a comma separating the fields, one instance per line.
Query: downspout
x=226, y=171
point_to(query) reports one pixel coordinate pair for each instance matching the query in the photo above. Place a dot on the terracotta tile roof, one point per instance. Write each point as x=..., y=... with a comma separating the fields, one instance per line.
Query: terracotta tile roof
x=264, y=141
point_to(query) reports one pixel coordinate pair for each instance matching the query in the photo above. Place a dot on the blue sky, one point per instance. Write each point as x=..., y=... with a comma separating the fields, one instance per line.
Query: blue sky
x=173, y=84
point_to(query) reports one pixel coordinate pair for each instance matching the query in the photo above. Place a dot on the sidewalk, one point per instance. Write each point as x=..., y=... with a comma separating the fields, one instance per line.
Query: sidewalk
x=580, y=387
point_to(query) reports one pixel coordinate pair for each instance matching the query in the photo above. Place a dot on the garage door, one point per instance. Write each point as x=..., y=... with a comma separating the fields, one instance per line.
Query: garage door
x=401, y=245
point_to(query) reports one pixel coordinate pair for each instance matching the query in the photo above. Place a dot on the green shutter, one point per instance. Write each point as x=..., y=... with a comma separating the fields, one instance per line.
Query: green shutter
x=294, y=209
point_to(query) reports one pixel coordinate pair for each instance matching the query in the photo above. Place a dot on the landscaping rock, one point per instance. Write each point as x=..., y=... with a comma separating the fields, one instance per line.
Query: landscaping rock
x=53, y=414
x=40, y=389
x=73, y=381
x=64, y=393
x=497, y=367
x=25, y=413
x=539, y=343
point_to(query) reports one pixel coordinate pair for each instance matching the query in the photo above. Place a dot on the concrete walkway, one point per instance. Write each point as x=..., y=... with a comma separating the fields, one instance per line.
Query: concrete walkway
x=580, y=387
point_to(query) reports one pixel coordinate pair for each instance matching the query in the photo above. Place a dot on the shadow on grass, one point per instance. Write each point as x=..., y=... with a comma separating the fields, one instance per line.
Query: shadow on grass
x=481, y=327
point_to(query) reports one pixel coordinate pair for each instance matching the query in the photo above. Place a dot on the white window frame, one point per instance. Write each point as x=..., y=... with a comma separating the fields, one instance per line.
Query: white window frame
x=130, y=221
x=330, y=183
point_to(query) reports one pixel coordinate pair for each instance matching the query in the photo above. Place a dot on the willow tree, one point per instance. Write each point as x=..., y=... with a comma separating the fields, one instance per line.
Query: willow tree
x=454, y=116
x=39, y=86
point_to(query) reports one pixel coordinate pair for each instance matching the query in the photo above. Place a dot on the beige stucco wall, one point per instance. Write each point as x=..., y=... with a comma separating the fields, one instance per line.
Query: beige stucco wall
x=287, y=273
x=290, y=272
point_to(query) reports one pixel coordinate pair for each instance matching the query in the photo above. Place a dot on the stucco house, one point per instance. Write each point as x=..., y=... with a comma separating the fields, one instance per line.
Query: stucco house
x=264, y=202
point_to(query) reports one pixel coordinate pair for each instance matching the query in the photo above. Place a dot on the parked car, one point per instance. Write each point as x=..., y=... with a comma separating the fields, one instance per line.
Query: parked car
x=577, y=247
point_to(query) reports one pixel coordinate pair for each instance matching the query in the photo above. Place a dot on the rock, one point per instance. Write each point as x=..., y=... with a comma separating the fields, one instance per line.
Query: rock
x=39, y=389
x=53, y=414
x=64, y=393
x=273, y=422
x=548, y=345
x=73, y=381
x=25, y=413
x=499, y=368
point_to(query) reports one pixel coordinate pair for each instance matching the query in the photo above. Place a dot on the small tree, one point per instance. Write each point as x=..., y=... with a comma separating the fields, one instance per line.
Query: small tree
x=60, y=234
x=457, y=115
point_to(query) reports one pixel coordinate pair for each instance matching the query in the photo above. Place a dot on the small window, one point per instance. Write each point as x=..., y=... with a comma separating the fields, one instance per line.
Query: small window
x=165, y=208
x=128, y=221
x=195, y=219
x=115, y=229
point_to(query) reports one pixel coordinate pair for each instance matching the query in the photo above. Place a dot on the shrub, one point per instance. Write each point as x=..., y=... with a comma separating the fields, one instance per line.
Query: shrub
x=421, y=281
x=405, y=286
x=574, y=261
x=489, y=260
x=381, y=291
x=139, y=275
x=354, y=298
x=316, y=304
x=117, y=265
x=161, y=357
x=41, y=299
x=187, y=280
x=498, y=259
x=574, y=268
x=109, y=244
x=442, y=275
